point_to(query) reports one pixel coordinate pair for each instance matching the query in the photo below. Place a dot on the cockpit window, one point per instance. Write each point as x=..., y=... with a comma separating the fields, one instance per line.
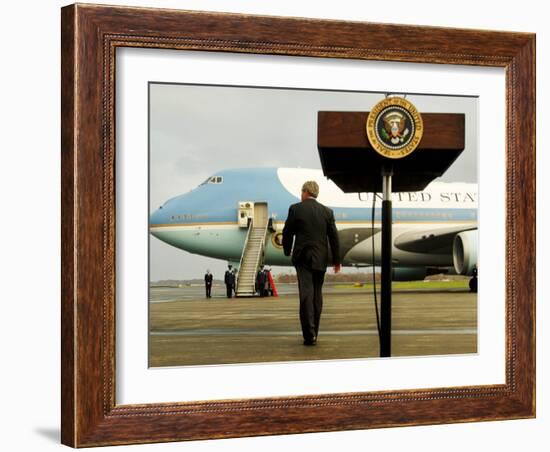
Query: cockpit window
x=213, y=180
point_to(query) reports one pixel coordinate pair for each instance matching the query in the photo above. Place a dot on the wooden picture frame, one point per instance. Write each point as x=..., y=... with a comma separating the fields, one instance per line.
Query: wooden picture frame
x=90, y=36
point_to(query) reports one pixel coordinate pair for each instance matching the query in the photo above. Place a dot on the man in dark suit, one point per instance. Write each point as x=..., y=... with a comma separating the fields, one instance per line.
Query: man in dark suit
x=208, y=277
x=261, y=279
x=229, y=279
x=314, y=229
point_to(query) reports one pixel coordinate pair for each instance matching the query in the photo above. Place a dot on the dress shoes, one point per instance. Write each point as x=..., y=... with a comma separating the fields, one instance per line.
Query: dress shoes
x=310, y=341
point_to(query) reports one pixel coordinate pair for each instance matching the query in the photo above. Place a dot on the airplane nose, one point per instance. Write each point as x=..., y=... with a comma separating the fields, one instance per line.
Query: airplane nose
x=168, y=224
x=158, y=221
x=158, y=217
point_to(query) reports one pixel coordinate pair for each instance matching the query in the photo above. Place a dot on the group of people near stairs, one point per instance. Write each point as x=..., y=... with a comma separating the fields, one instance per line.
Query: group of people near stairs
x=229, y=280
x=262, y=283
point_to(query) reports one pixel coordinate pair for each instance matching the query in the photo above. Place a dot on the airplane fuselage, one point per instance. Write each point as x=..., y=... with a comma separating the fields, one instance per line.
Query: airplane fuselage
x=205, y=220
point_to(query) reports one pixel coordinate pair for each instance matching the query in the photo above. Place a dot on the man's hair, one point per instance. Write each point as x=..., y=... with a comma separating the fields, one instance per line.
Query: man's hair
x=311, y=187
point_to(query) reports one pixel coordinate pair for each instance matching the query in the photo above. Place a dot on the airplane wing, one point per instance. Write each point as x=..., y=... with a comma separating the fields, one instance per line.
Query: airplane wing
x=350, y=237
x=436, y=241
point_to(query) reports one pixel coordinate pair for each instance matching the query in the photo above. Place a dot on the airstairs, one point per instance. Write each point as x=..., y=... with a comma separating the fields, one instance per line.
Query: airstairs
x=251, y=257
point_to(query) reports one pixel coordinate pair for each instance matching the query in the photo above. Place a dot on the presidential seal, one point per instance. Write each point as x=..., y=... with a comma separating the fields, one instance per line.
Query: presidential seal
x=277, y=239
x=394, y=127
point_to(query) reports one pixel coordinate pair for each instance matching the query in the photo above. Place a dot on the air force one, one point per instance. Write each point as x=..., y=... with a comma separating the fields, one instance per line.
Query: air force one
x=238, y=215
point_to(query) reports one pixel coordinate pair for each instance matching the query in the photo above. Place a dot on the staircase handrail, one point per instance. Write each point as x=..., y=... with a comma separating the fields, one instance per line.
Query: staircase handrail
x=250, y=224
x=262, y=243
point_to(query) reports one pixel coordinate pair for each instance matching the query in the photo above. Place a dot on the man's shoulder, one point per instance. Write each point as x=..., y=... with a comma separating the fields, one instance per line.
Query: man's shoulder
x=327, y=209
x=295, y=207
x=311, y=202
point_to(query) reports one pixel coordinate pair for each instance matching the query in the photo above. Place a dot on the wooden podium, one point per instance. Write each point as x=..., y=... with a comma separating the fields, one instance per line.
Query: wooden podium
x=351, y=162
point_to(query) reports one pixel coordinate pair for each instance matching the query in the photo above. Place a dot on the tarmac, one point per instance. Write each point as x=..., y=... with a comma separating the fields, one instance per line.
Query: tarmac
x=188, y=329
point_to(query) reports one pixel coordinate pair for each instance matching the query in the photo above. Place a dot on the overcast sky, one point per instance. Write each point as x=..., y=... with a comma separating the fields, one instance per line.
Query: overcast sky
x=197, y=130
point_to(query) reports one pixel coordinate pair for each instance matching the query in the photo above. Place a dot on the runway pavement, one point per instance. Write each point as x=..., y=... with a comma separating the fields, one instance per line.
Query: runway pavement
x=187, y=329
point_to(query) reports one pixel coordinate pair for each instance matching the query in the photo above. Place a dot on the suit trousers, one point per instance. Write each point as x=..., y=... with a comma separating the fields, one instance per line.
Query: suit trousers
x=310, y=285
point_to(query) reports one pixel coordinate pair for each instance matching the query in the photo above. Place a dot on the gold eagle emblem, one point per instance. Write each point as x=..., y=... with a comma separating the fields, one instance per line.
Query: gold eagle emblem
x=394, y=127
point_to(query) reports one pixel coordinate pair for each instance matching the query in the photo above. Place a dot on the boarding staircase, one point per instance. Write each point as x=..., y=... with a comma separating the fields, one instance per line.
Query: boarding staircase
x=251, y=258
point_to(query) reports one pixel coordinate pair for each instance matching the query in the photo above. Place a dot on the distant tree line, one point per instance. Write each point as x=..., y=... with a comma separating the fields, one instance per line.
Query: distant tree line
x=363, y=277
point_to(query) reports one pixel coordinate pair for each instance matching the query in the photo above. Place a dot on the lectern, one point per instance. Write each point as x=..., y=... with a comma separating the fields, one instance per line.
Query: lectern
x=392, y=148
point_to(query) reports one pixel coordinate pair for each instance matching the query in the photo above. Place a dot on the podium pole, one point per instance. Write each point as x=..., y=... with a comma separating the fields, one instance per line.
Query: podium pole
x=385, y=309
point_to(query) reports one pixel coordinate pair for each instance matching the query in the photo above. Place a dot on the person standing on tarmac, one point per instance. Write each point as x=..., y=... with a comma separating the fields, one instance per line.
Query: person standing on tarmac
x=314, y=229
x=208, y=277
x=260, y=281
x=229, y=280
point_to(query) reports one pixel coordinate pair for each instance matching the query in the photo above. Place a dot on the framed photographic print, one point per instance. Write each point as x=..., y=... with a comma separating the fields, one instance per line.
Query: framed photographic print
x=197, y=148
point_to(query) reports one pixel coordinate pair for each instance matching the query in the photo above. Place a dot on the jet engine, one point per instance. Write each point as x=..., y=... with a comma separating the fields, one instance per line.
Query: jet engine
x=465, y=252
x=409, y=273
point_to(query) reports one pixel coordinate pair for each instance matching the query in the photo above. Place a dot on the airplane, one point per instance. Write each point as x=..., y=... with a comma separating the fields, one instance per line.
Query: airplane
x=434, y=231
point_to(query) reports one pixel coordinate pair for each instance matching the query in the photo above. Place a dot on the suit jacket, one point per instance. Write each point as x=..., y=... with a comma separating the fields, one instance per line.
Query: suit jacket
x=229, y=278
x=208, y=279
x=314, y=227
